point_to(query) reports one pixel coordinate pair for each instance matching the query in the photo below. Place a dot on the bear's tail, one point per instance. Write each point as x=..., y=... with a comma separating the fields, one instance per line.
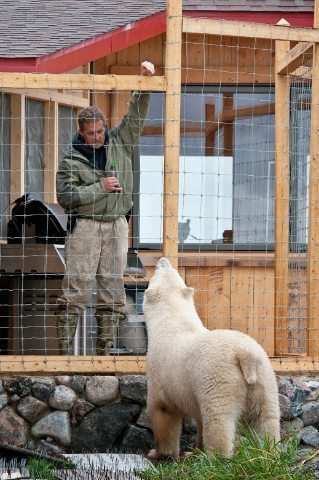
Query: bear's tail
x=249, y=363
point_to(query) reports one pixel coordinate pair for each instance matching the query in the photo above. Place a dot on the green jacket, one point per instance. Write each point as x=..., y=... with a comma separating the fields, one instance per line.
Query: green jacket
x=78, y=183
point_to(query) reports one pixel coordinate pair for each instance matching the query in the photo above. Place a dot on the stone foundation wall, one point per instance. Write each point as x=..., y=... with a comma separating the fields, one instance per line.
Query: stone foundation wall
x=80, y=413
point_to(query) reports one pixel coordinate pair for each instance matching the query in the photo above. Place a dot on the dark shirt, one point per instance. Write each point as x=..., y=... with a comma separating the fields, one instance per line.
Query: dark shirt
x=96, y=156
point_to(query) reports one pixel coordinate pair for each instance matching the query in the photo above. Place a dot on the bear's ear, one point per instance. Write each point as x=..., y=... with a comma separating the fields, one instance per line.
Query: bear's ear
x=152, y=295
x=188, y=292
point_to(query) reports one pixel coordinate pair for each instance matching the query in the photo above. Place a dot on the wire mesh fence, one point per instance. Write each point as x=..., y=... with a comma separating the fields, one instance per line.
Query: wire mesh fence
x=227, y=186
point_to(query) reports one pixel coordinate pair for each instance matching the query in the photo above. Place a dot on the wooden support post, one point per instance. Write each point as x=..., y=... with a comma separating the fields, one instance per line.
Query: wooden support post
x=172, y=129
x=313, y=231
x=282, y=88
x=17, y=146
x=50, y=151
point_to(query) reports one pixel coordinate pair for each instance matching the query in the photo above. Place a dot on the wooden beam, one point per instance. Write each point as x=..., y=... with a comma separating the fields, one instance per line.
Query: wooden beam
x=17, y=154
x=282, y=95
x=53, y=365
x=228, y=28
x=62, y=98
x=295, y=58
x=81, y=81
x=50, y=150
x=172, y=129
x=295, y=366
x=313, y=227
x=38, y=364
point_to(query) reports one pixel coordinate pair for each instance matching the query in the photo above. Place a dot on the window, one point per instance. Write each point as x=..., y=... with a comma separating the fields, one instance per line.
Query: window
x=226, y=170
x=34, y=151
x=67, y=128
x=5, y=141
x=300, y=112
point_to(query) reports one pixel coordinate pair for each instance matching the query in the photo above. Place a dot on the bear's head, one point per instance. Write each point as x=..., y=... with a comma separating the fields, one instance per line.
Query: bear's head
x=166, y=282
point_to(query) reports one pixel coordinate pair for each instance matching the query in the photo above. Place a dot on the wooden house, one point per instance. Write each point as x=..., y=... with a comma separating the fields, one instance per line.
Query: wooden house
x=230, y=207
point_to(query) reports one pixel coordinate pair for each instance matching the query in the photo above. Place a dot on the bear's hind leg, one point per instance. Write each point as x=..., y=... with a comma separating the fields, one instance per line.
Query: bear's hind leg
x=219, y=435
x=167, y=427
x=264, y=413
x=268, y=427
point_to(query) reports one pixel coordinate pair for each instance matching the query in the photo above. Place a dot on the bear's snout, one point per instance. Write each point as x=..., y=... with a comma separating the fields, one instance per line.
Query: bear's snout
x=163, y=262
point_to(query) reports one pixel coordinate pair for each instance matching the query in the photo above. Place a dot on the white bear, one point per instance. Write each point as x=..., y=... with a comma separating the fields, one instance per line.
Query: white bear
x=219, y=378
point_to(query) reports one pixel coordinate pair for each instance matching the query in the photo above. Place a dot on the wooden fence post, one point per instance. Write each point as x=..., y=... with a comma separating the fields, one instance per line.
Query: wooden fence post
x=313, y=218
x=172, y=130
x=282, y=86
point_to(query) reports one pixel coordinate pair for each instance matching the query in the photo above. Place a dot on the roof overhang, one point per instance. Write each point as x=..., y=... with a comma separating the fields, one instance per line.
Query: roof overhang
x=133, y=33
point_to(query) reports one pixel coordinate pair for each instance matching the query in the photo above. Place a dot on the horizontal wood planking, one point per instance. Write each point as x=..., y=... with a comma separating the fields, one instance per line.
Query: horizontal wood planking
x=219, y=74
x=36, y=365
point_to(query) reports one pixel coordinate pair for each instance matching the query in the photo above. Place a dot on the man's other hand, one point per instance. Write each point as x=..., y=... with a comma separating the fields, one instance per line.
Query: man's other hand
x=111, y=184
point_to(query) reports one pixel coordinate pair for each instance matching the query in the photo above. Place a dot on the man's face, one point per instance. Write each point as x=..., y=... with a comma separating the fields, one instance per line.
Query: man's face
x=93, y=133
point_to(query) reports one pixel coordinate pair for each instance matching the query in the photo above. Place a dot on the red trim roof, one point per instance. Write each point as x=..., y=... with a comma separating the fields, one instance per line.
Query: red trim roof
x=135, y=32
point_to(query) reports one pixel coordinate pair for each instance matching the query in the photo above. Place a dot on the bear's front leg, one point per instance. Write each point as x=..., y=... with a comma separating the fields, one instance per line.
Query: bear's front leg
x=167, y=427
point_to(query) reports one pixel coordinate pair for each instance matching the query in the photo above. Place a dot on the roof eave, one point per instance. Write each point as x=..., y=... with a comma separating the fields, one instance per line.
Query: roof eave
x=103, y=45
x=131, y=34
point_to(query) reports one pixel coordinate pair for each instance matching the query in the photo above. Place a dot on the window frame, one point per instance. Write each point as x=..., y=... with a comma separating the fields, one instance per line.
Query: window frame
x=201, y=89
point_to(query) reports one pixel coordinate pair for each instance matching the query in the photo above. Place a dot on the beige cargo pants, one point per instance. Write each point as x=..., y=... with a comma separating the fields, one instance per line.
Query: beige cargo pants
x=94, y=250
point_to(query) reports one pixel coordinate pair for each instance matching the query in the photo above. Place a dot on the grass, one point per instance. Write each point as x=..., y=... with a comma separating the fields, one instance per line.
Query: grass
x=253, y=460
x=41, y=469
x=45, y=469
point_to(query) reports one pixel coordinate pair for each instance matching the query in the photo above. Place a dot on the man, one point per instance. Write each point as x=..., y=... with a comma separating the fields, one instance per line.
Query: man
x=94, y=186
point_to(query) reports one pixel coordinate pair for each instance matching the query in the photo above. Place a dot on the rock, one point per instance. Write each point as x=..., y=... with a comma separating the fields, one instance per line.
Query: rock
x=62, y=398
x=143, y=419
x=100, y=429
x=46, y=380
x=292, y=428
x=18, y=386
x=55, y=425
x=79, y=410
x=102, y=390
x=310, y=436
x=3, y=400
x=189, y=425
x=296, y=409
x=13, y=400
x=77, y=383
x=13, y=429
x=302, y=391
x=1, y=387
x=137, y=440
x=47, y=448
x=134, y=387
x=31, y=408
x=314, y=387
x=296, y=390
x=285, y=407
x=285, y=386
x=42, y=389
x=63, y=380
x=310, y=413
x=188, y=442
